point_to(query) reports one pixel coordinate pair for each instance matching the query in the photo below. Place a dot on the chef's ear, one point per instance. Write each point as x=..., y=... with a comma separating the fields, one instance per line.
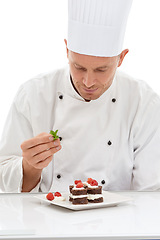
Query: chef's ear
x=121, y=56
x=66, y=47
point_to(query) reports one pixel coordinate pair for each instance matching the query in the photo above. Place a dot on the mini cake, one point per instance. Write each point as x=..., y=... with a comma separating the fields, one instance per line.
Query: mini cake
x=94, y=191
x=82, y=193
x=78, y=193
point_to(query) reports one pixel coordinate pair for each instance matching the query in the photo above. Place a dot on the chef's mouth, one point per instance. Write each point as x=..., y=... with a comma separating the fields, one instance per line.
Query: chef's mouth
x=90, y=90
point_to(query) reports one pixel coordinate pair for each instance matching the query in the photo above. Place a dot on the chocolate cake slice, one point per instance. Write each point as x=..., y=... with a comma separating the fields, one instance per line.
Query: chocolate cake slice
x=95, y=194
x=94, y=191
x=70, y=190
x=78, y=194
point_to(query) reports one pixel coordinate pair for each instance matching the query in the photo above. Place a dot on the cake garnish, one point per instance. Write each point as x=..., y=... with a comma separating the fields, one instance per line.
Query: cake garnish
x=89, y=180
x=92, y=182
x=77, y=181
x=79, y=185
x=50, y=196
x=57, y=194
x=54, y=134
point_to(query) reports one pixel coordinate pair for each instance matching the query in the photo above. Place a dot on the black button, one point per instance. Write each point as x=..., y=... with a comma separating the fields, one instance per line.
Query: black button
x=60, y=96
x=60, y=138
x=103, y=181
x=109, y=143
x=113, y=100
x=58, y=176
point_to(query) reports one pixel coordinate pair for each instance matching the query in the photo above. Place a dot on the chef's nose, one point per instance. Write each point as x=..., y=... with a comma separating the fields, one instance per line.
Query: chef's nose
x=88, y=79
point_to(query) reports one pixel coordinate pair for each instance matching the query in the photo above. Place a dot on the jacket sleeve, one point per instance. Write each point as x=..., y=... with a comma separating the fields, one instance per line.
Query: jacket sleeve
x=16, y=130
x=146, y=142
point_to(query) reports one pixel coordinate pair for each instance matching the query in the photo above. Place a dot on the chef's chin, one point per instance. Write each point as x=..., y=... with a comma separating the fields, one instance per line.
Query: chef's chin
x=89, y=97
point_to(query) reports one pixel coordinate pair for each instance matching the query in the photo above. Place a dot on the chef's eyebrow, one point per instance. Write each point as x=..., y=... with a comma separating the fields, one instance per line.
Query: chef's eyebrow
x=78, y=65
x=100, y=67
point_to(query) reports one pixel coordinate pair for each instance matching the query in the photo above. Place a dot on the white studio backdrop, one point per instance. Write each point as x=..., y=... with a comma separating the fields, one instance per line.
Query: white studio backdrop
x=32, y=36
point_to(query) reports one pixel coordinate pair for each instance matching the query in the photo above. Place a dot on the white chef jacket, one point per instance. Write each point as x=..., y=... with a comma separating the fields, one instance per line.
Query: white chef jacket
x=114, y=139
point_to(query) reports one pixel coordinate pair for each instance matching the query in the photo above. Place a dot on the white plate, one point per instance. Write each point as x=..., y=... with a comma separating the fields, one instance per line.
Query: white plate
x=110, y=200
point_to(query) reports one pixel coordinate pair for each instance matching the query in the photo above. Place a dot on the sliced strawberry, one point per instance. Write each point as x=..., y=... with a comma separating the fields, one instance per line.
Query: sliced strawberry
x=94, y=183
x=89, y=180
x=79, y=185
x=50, y=196
x=57, y=194
x=77, y=181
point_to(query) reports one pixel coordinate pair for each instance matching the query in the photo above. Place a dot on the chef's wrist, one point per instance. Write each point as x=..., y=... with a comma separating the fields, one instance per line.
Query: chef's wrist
x=31, y=176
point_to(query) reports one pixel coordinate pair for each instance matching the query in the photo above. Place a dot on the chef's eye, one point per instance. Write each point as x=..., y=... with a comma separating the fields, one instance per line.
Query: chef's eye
x=80, y=68
x=100, y=70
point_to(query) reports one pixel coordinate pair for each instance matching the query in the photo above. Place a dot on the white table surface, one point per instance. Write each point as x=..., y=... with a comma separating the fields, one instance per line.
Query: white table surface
x=22, y=216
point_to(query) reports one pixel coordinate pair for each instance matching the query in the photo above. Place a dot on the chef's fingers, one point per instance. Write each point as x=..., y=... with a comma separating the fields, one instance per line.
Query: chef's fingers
x=44, y=163
x=43, y=147
x=31, y=152
x=39, y=139
x=33, y=161
x=42, y=156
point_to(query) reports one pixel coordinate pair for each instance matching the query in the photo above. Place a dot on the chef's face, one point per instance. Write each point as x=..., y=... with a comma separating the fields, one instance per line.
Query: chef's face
x=92, y=76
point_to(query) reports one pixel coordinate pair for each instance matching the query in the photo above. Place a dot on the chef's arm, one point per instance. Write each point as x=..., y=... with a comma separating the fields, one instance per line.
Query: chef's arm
x=31, y=177
x=16, y=129
x=37, y=153
x=23, y=156
x=146, y=171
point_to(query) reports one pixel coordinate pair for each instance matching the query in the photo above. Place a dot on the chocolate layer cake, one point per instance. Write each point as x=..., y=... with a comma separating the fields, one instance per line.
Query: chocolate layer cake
x=78, y=195
x=94, y=192
x=82, y=193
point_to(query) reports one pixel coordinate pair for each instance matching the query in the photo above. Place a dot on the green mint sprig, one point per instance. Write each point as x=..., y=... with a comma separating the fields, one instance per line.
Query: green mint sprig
x=54, y=134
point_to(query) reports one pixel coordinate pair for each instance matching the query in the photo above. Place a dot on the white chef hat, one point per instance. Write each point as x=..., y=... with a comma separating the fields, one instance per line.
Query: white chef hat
x=97, y=27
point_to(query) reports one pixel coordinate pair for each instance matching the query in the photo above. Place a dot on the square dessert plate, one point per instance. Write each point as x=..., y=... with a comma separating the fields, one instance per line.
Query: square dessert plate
x=110, y=200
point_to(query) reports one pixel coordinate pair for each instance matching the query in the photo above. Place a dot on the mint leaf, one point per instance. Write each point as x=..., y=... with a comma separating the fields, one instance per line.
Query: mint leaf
x=51, y=132
x=54, y=134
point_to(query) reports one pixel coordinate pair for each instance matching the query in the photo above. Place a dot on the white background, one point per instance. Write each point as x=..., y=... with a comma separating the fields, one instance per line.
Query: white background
x=31, y=42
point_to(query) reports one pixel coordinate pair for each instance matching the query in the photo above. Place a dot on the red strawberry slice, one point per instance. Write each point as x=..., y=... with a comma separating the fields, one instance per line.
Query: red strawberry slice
x=79, y=185
x=57, y=194
x=77, y=181
x=50, y=196
x=94, y=183
x=89, y=180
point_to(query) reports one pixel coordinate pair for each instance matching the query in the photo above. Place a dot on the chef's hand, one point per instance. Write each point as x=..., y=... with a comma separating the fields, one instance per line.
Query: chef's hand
x=37, y=153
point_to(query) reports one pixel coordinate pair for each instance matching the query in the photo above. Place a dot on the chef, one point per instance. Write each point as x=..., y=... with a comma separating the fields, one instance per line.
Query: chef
x=108, y=123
